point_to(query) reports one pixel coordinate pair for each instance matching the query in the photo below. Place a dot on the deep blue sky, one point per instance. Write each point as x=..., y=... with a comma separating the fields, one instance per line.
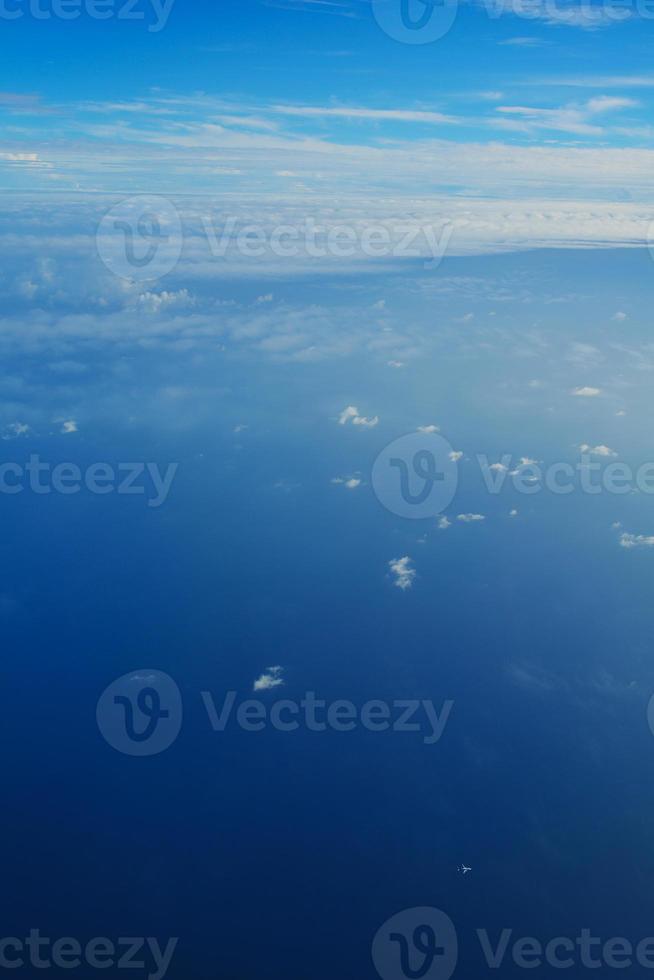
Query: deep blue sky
x=272, y=384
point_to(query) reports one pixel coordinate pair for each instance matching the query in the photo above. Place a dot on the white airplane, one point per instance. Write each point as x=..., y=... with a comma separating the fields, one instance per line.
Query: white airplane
x=463, y=870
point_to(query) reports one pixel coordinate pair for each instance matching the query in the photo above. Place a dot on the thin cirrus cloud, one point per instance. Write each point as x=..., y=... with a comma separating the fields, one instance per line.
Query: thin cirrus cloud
x=376, y=115
x=580, y=120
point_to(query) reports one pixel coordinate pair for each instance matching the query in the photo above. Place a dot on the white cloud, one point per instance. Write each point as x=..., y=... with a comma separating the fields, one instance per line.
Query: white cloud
x=15, y=430
x=356, y=112
x=455, y=456
x=68, y=426
x=403, y=572
x=444, y=523
x=513, y=513
x=428, y=429
x=365, y=422
x=470, y=518
x=597, y=450
x=272, y=677
x=351, y=414
x=157, y=302
x=587, y=392
x=350, y=482
x=579, y=119
x=620, y=316
x=523, y=42
x=636, y=541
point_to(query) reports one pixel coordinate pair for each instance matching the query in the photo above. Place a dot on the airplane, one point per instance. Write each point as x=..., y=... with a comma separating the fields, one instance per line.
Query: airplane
x=463, y=869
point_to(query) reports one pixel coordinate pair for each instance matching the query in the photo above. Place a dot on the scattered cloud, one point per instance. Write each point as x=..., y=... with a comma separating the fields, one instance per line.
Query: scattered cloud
x=351, y=414
x=586, y=392
x=272, y=677
x=403, y=572
x=597, y=450
x=350, y=482
x=15, y=430
x=636, y=541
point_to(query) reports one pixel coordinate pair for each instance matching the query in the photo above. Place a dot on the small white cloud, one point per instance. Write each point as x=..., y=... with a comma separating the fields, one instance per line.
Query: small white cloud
x=470, y=518
x=513, y=513
x=366, y=423
x=348, y=413
x=444, y=523
x=351, y=414
x=525, y=461
x=350, y=483
x=636, y=541
x=403, y=572
x=396, y=364
x=268, y=298
x=498, y=468
x=620, y=316
x=379, y=305
x=240, y=428
x=597, y=450
x=272, y=677
x=15, y=430
x=68, y=426
x=456, y=456
x=428, y=429
x=621, y=414
x=156, y=302
x=586, y=392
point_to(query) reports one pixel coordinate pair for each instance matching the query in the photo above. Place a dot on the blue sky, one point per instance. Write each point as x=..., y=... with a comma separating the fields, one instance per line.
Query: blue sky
x=270, y=368
x=314, y=98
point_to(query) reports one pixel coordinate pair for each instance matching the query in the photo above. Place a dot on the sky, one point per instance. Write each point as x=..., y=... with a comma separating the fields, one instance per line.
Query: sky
x=327, y=365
